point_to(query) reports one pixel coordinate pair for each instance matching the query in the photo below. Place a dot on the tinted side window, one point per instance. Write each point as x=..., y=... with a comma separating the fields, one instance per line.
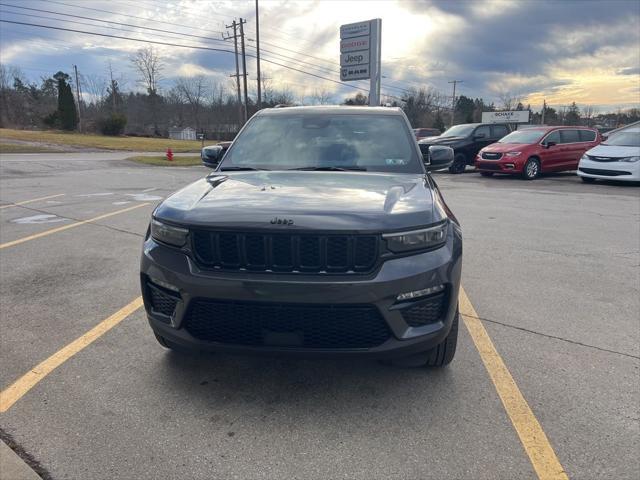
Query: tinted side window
x=587, y=136
x=553, y=137
x=499, y=131
x=483, y=130
x=569, y=136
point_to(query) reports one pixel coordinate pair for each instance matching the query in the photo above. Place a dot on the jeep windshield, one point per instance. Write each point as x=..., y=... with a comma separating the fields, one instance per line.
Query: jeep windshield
x=325, y=141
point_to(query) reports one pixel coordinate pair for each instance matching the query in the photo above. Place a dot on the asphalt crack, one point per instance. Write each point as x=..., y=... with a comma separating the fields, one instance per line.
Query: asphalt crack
x=574, y=342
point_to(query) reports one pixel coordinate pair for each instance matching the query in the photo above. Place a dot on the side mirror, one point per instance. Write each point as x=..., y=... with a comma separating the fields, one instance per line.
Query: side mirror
x=211, y=156
x=438, y=157
x=550, y=144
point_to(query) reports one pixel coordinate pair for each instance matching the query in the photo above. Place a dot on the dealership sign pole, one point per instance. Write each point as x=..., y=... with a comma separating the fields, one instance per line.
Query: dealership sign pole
x=360, y=55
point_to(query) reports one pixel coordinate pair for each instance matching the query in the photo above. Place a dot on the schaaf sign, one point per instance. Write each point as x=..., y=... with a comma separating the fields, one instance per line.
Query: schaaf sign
x=513, y=116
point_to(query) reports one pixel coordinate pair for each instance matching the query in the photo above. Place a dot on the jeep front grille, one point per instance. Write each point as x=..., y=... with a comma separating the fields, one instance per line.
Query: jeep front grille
x=281, y=252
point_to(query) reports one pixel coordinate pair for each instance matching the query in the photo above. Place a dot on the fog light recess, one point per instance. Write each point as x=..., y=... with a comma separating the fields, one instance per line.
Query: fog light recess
x=162, y=284
x=420, y=293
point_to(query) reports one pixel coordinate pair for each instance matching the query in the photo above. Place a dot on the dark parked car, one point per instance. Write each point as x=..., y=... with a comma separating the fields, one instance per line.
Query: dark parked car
x=212, y=154
x=321, y=233
x=466, y=140
x=421, y=133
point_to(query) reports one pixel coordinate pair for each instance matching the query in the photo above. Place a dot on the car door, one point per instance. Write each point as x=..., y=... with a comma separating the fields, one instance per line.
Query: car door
x=551, y=156
x=572, y=149
x=481, y=138
x=498, y=131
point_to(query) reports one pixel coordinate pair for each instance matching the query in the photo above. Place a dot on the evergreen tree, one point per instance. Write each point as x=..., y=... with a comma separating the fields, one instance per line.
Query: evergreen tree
x=67, y=113
x=573, y=115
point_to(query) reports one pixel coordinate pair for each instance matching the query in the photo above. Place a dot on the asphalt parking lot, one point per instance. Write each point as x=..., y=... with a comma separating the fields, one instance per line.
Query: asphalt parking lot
x=551, y=269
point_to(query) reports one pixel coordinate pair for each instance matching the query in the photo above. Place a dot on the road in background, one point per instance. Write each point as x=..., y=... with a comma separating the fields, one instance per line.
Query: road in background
x=551, y=267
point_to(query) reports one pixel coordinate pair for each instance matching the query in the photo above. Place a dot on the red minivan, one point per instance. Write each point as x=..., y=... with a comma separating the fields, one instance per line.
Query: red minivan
x=536, y=150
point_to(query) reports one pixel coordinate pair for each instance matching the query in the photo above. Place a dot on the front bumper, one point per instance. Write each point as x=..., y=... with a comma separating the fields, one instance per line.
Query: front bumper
x=618, y=171
x=502, y=165
x=170, y=267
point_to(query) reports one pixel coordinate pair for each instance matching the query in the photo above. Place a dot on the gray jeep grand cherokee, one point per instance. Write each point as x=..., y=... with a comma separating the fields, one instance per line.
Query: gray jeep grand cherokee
x=320, y=232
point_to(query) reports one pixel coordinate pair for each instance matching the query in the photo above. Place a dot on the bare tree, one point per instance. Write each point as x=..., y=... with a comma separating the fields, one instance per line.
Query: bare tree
x=149, y=66
x=321, y=96
x=194, y=91
x=588, y=111
x=508, y=100
x=95, y=86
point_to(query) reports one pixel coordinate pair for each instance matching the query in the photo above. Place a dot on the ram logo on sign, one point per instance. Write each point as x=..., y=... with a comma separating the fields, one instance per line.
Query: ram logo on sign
x=513, y=116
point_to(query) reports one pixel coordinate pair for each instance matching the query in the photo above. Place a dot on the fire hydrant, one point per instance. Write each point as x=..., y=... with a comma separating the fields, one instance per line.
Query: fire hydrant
x=169, y=154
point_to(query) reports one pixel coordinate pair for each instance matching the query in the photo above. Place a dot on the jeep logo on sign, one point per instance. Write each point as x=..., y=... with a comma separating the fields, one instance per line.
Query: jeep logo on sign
x=281, y=221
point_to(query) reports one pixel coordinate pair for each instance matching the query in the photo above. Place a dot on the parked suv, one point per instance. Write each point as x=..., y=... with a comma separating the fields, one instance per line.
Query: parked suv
x=320, y=232
x=537, y=150
x=467, y=139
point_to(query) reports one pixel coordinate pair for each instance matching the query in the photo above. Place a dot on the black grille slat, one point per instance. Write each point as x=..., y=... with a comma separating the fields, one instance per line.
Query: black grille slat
x=286, y=253
x=282, y=251
x=229, y=249
x=491, y=155
x=337, y=253
x=425, y=312
x=315, y=326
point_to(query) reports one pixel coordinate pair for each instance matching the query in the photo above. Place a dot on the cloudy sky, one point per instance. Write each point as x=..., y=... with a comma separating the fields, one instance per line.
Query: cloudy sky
x=561, y=51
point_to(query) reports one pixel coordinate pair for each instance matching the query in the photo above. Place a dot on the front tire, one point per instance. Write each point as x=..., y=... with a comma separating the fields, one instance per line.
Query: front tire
x=531, y=169
x=459, y=164
x=439, y=356
x=588, y=179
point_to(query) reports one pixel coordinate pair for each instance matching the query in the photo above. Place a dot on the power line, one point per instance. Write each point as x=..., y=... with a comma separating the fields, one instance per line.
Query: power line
x=186, y=46
x=324, y=70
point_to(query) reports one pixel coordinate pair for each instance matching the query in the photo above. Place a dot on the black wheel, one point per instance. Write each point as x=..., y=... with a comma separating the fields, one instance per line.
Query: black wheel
x=459, y=164
x=588, y=179
x=439, y=356
x=486, y=174
x=531, y=169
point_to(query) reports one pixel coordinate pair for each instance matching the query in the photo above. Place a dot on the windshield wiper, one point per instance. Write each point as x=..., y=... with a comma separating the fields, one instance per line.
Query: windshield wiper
x=331, y=169
x=239, y=169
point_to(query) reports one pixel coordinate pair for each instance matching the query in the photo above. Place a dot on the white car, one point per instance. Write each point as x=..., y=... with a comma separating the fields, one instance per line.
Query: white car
x=617, y=158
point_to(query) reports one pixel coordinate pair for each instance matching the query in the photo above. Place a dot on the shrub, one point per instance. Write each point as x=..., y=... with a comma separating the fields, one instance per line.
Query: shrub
x=113, y=124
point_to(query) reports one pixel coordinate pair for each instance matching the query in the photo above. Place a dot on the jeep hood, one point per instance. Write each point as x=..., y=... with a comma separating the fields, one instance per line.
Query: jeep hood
x=342, y=201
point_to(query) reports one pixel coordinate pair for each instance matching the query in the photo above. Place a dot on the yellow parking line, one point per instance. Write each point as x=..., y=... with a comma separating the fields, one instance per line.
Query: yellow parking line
x=20, y=387
x=30, y=201
x=533, y=439
x=66, y=227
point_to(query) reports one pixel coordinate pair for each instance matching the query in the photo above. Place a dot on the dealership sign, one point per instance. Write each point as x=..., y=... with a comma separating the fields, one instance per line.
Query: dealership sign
x=514, y=116
x=360, y=54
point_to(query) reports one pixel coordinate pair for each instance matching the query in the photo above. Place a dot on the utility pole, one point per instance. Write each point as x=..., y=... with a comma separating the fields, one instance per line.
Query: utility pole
x=237, y=75
x=258, y=56
x=453, y=106
x=544, y=110
x=75, y=68
x=244, y=71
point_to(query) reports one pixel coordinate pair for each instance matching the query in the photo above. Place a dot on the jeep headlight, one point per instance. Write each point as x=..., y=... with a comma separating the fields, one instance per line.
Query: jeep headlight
x=168, y=233
x=422, y=239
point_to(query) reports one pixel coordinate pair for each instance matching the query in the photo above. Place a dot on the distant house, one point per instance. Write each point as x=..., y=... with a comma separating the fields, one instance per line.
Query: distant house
x=182, y=133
